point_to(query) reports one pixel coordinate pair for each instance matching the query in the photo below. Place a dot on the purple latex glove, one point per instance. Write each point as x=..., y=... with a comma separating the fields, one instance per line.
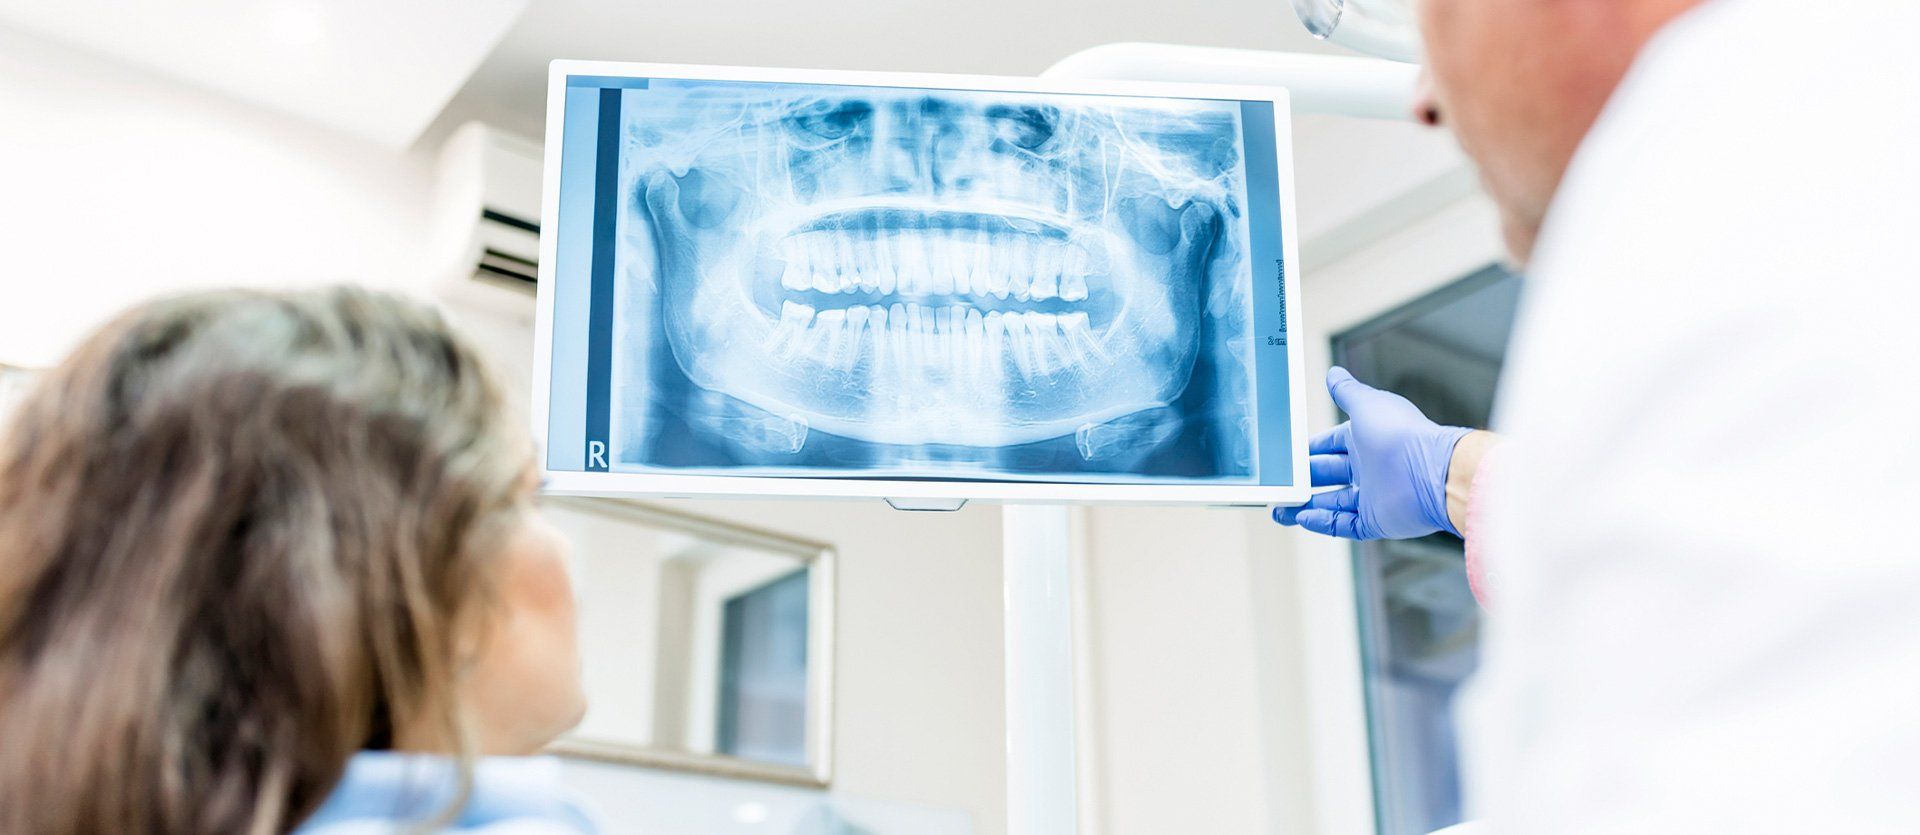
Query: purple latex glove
x=1391, y=460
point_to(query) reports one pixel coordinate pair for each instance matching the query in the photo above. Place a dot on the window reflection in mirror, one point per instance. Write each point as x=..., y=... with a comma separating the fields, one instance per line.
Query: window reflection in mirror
x=763, y=672
x=704, y=645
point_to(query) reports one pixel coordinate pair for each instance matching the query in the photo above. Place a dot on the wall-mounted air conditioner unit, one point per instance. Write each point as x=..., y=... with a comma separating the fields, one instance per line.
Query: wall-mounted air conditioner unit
x=486, y=225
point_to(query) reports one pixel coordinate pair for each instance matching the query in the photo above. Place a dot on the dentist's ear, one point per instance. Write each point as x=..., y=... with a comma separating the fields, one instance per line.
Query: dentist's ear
x=1426, y=104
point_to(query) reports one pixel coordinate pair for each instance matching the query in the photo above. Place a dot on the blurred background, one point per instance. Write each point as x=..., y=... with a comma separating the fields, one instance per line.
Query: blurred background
x=791, y=667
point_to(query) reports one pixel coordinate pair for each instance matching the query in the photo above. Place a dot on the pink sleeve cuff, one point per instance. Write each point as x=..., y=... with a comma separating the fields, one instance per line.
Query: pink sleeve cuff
x=1479, y=578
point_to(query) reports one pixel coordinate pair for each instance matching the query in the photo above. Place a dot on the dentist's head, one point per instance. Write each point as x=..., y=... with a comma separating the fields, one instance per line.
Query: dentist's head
x=245, y=535
x=1522, y=81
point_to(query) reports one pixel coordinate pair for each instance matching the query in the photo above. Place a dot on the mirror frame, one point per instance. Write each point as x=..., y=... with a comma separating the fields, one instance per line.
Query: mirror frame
x=820, y=559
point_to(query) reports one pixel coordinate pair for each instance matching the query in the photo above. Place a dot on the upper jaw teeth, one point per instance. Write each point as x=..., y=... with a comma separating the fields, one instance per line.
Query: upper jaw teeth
x=957, y=263
x=909, y=339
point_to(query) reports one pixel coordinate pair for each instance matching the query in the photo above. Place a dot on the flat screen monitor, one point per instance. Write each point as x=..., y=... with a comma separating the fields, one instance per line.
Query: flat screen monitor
x=759, y=282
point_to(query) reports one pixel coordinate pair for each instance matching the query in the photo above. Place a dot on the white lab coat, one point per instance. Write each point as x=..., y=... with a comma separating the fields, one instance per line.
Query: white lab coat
x=1705, y=535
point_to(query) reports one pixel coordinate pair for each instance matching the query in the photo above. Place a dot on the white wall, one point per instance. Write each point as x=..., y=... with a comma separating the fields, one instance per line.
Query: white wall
x=118, y=186
x=1186, y=630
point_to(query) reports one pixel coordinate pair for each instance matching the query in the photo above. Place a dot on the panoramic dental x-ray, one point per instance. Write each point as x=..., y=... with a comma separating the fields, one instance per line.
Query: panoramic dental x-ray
x=833, y=281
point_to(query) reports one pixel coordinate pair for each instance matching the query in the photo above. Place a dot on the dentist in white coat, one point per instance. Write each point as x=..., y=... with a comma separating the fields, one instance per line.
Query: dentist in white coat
x=1691, y=528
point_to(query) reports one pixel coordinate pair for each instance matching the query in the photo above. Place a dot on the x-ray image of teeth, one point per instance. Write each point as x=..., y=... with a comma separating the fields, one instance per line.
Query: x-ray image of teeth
x=882, y=282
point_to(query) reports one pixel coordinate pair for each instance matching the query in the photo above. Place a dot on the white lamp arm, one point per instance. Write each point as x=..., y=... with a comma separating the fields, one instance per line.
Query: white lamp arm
x=1364, y=87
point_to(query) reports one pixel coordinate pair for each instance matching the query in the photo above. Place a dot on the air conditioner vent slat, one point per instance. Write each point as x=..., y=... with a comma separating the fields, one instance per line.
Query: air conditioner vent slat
x=529, y=263
x=494, y=263
x=515, y=222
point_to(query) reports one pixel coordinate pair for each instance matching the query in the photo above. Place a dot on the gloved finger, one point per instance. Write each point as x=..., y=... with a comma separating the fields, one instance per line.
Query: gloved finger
x=1345, y=390
x=1332, y=440
x=1347, y=500
x=1329, y=522
x=1330, y=470
x=1337, y=501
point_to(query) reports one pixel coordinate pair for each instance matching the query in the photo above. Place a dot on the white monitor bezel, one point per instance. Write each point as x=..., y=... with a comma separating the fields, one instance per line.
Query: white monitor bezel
x=929, y=493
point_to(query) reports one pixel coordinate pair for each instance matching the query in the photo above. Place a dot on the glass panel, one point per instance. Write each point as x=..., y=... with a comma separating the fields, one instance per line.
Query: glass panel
x=1419, y=624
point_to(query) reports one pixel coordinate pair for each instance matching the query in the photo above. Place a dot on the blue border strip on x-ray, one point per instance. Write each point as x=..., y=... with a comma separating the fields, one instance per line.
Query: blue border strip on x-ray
x=606, y=188
x=1268, y=260
x=572, y=265
x=608, y=81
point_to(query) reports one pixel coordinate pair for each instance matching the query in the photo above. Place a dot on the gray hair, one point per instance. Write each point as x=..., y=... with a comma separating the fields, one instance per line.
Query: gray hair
x=240, y=533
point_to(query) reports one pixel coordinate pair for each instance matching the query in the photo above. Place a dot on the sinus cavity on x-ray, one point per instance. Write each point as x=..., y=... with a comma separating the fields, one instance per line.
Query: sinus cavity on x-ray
x=881, y=282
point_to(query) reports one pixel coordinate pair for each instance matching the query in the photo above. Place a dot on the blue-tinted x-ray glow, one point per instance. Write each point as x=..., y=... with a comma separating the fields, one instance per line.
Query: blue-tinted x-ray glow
x=939, y=283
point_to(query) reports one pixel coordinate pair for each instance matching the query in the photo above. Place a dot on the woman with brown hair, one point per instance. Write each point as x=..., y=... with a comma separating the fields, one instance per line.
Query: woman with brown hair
x=245, y=537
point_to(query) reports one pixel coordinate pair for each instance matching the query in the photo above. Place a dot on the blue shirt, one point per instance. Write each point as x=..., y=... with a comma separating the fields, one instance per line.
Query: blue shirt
x=385, y=792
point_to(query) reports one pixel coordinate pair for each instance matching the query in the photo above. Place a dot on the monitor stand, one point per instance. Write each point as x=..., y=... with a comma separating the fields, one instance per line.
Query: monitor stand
x=1037, y=595
x=1042, y=777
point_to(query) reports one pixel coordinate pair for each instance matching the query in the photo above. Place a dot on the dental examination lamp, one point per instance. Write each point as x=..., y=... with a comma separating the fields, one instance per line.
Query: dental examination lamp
x=1042, y=779
x=1383, y=28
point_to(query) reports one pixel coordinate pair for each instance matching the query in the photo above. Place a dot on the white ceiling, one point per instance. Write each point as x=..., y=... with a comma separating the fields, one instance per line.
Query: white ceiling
x=998, y=37
x=381, y=69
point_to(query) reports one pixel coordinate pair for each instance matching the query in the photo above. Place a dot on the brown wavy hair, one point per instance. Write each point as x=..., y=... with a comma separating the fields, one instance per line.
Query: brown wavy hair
x=241, y=534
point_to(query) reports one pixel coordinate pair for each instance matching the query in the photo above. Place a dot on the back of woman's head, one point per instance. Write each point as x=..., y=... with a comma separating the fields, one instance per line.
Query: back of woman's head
x=240, y=534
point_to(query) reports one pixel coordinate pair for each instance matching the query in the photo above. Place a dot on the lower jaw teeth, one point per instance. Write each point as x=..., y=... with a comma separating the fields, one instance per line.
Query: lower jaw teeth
x=956, y=341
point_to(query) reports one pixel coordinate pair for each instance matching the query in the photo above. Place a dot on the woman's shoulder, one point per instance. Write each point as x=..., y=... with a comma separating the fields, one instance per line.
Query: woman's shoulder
x=510, y=796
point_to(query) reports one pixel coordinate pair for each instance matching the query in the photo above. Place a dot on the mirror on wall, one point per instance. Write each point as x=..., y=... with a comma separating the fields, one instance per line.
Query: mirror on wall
x=706, y=646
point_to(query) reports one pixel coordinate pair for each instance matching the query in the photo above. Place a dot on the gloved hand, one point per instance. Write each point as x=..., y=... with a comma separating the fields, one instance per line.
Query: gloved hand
x=1393, y=461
